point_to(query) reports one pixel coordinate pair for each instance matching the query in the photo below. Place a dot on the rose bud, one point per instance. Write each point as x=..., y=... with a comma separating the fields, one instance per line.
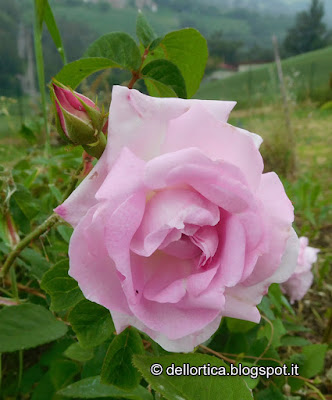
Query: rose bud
x=299, y=283
x=78, y=119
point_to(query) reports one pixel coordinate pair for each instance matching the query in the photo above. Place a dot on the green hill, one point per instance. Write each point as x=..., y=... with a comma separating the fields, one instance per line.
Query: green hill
x=306, y=75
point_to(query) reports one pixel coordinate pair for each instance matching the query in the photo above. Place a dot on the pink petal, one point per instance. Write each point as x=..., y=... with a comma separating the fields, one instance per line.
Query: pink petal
x=140, y=122
x=171, y=209
x=90, y=264
x=241, y=301
x=217, y=140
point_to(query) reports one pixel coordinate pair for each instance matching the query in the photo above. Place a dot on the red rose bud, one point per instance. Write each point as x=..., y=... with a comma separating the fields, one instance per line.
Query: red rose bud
x=78, y=119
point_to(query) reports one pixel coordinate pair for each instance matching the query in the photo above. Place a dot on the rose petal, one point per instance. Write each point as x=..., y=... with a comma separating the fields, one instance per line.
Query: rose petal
x=241, y=301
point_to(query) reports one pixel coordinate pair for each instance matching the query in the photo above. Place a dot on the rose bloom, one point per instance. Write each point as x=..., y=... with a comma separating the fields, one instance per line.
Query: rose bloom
x=177, y=226
x=301, y=280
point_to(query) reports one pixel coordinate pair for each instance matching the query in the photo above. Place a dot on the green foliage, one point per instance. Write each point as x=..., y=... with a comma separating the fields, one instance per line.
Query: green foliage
x=191, y=387
x=117, y=368
x=63, y=289
x=73, y=73
x=119, y=47
x=77, y=353
x=166, y=73
x=28, y=325
x=91, y=322
x=314, y=359
x=144, y=31
x=187, y=49
x=91, y=388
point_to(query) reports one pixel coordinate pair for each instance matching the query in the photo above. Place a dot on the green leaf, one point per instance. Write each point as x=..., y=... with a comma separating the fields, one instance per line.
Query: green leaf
x=167, y=73
x=187, y=49
x=36, y=263
x=91, y=388
x=239, y=326
x=119, y=47
x=271, y=393
x=276, y=333
x=91, y=322
x=62, y=373
x=117, y=368
x=144, y=31
x=25, y=201
x=314, y=361
x=192, y=387
x=73, y=73
x=294, y=341
x=76, y=352
x=54, y=31
x=27, y=134
x=28, y=325
x=63, y=289
x=158, y=89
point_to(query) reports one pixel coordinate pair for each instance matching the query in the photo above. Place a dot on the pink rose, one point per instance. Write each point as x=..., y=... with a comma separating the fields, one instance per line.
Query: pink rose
x=301, y=280
x=176, y=226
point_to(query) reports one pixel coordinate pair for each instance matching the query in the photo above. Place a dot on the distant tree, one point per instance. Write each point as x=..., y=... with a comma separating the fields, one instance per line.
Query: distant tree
x=309, y=32
x=225, y=50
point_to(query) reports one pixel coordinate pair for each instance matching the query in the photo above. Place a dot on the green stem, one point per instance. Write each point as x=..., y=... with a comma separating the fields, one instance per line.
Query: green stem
x=53, y=219
x=14, y=283
x=316, y=390
x=41, y=74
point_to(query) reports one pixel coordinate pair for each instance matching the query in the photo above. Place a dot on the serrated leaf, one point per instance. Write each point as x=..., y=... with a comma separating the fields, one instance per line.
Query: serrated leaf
x=314, y=359
x=187, y=49
x=118, y=369
x=192, y=387
x=73, y=73
x=26, y=326
x=91, y=322
x=91, y=388
x=119, y=47
x=76, y=352
x=167, y=73
x=144, y=31
x=63, y=289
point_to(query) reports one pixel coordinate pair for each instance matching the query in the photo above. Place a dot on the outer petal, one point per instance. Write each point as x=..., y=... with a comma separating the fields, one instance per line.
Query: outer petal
x=241, y=301
x=184, y=344
x=140, y=122
x=279, y=215
x=90, y=264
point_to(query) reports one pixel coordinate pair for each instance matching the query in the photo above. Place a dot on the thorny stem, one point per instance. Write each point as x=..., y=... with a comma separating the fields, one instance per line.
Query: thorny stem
x=44, y=227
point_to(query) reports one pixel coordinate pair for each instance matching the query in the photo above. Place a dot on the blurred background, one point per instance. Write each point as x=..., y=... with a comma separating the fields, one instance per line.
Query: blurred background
x=289, y=103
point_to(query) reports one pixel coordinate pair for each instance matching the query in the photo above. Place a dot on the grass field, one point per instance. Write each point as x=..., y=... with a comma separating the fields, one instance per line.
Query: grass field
x=306, y=75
